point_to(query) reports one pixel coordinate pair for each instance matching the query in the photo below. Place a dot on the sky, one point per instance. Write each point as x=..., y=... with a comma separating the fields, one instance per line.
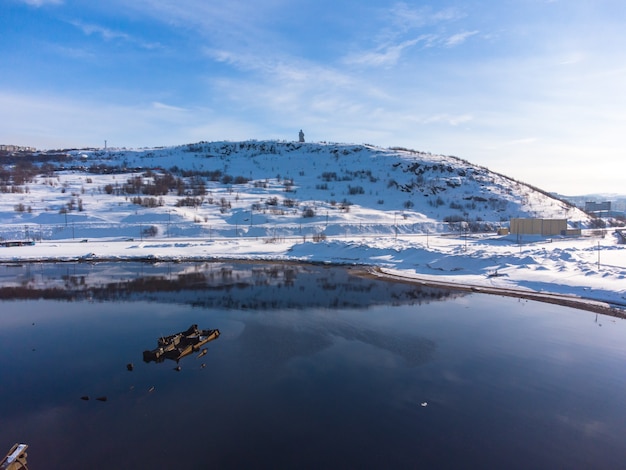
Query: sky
x=533, y=89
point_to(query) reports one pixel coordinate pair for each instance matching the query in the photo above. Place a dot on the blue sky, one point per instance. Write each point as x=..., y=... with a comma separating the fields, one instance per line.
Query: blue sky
x=533, y=89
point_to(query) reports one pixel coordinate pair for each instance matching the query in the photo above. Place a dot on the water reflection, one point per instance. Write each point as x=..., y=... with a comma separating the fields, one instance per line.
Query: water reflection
x=276, y=345
x=337, y=375
x=210, y=285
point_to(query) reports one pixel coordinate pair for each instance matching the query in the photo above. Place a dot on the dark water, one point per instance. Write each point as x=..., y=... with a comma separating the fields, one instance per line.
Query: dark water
x=315, y=368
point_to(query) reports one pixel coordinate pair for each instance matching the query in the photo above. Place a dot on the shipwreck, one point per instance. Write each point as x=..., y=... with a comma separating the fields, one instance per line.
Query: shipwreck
x=179, y=345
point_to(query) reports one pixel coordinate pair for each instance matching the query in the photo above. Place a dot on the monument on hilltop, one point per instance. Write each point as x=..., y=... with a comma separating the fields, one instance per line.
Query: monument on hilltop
x=301, y=136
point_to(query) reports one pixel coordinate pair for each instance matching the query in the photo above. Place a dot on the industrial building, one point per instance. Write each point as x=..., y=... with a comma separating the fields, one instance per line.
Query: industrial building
x=545, y=227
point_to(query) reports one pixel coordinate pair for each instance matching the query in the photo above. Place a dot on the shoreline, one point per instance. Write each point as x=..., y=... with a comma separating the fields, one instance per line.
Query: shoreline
x=616, y=310
x=582, y=303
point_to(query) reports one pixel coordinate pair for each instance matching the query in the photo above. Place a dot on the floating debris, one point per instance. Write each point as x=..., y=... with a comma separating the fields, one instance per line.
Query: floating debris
x=151, y=389
x=203, y=365
x=177, y=368
x=130, y=366
x=203, y=352
x=181, y=344
x=424, y=403
x=84, y=397
x=101, y=398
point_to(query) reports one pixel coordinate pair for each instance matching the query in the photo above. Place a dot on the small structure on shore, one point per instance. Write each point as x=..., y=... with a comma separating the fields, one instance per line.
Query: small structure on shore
x=15, y=458
x=534, y=226
x=17, y=243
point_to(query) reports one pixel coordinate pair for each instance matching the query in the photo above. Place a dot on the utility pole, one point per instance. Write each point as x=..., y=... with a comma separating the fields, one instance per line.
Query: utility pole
x=395, y=225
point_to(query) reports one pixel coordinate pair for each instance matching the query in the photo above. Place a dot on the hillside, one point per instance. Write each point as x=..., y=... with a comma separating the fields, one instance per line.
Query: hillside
x=259, y=189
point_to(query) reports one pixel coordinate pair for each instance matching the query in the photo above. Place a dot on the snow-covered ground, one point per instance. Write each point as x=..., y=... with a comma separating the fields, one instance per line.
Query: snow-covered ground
x=314, y=203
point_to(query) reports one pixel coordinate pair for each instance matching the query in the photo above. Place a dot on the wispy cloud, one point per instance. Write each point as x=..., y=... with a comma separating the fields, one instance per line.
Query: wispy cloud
x=281, y=69
x=410, y=27
x=242, y=61
x=110, y=34
x=40, y=3
x=523, y=141
x=390, y=54
x=384, y=55
x=157, y=105
x=219, y=22
x=572, y=58
x=285, y=90
x=105, y=33
x=452, y=120
x=89, y=122
x=62, y=51
x=459, y=38
x=405, y=18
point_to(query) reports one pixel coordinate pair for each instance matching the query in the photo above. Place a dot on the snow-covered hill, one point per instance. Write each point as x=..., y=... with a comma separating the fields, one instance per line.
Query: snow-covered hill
x=261, y=189
x=419, y=216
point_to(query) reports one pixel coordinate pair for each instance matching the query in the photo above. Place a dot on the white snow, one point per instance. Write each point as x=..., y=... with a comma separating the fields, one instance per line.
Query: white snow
x=392, y=217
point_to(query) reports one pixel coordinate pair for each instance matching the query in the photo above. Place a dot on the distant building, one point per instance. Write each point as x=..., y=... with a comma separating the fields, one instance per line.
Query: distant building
x=546, y=227
x=16, y=148
x=592, y=207
x=301, y=136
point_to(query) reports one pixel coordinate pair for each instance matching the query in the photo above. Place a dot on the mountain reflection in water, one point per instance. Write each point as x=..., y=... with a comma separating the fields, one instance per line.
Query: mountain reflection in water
x=210, y=285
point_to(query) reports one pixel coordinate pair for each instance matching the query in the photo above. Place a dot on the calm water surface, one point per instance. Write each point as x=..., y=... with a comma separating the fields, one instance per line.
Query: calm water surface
x=314, y=368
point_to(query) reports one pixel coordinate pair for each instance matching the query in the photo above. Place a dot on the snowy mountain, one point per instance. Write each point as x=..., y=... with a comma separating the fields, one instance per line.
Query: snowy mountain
x=260, y=189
